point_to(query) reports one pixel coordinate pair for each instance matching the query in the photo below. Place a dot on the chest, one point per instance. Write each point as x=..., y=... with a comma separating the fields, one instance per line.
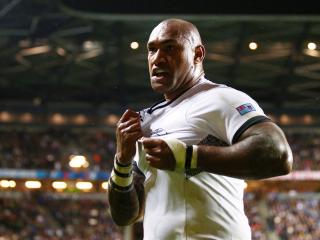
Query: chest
x=172, y=122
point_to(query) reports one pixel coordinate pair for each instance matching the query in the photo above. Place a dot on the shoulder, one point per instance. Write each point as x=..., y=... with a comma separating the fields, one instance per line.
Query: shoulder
x=209, y=92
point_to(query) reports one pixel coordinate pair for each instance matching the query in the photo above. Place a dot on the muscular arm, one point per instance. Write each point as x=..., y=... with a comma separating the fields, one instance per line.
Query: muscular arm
x=126, y=200
x=262, y=151
x=127, y=207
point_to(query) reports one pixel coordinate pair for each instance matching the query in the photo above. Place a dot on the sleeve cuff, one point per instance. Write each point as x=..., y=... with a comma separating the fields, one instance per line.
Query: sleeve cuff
x=247, y=124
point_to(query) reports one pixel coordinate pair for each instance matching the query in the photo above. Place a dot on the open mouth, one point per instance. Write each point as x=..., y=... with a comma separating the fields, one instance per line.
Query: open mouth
x=159, y=72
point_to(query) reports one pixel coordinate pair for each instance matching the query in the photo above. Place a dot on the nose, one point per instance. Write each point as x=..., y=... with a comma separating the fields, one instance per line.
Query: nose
x=159, y=57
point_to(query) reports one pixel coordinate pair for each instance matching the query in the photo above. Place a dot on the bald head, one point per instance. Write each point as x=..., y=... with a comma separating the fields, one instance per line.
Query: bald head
x=175, y=56
x=178, y=29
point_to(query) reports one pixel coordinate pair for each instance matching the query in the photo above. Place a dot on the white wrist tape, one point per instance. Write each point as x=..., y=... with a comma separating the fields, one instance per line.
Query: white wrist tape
x=179, y=150
x=194, y=159
x=121, y=175
x=125, y=169
x=121, y=181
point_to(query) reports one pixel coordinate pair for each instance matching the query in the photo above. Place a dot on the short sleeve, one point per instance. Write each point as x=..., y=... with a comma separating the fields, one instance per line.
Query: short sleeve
x=225, y=113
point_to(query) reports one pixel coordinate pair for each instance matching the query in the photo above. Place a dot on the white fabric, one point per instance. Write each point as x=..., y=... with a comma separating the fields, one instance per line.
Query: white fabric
x=178, y=149
x=204, y=206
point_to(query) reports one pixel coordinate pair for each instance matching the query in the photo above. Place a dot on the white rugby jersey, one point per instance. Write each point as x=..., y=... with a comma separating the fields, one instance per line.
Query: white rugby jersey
x=197, y=204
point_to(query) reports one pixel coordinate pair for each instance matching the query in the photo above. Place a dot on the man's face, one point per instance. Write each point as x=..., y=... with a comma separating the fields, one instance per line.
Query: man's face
x=170, y=59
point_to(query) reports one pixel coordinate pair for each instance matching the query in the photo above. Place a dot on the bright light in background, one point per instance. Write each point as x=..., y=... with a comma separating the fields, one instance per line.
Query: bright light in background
x=312, y=46
x=26, y=117
x=57, y=118
x=78, y=161
x=253, y=46
x=104, y=185
x=33, y=184
x=80, y=119
x=7, y=183
x=35, y=50
x=5, y=116
x=112, y=119
x=88, y=45
x=134, y=45
x=307, y=119
x=285, y=119
x=91, y=49
x=93, y=221
x=92, y=45
x=60, y=51
x=85, y=186
x=59, y=185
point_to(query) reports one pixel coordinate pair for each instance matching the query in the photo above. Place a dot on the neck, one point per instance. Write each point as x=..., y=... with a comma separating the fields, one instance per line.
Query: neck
x=184, y=87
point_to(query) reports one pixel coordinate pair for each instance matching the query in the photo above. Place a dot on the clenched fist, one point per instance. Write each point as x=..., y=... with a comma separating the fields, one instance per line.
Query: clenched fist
x=158, y=153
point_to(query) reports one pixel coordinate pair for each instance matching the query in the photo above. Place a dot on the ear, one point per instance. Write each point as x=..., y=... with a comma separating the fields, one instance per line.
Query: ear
x=199, y=54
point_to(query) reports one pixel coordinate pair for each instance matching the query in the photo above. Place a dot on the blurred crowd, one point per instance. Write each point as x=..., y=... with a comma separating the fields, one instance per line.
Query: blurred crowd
x=43, y=216
x=37, y=216
x=306, y=149
x=253, y=209
x=283, y=216
x=52, y=148
x=294, y=218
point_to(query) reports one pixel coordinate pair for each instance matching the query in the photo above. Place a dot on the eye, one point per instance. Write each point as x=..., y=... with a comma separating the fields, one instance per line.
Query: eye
x=170, y=47
x=152, y=49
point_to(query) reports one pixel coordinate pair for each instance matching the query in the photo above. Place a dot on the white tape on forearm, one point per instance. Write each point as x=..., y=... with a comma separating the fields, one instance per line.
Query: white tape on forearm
x=194, y=159
x=178, y=149
x=121, y=181
x=122, y=169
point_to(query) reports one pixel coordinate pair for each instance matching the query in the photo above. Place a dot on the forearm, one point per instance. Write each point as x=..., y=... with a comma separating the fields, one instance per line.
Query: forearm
x=264, y=153
x=125, y=193
x=124, y=205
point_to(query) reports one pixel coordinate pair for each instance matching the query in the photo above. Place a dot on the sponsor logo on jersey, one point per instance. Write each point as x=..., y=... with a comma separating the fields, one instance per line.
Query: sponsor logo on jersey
x=245, y=108
x=159, y=132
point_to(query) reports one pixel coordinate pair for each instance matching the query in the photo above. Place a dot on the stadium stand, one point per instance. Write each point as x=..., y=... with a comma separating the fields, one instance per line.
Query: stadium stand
x=274, y=212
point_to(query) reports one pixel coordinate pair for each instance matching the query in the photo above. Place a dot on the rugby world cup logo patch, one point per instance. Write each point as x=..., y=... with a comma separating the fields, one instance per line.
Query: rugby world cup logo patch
x=245, y=108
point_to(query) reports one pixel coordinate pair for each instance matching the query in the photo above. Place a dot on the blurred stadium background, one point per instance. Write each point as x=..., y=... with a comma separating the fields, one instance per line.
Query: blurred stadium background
x=70, y=68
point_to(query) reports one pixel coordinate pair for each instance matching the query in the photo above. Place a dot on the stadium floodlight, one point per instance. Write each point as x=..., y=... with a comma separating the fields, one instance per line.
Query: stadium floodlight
x=5, y=116
x=59, y=185
x=134, y=45
x=78, y=161
x=85, y=186
x=104, y=185
x=33, y=184
x=7, y=184
x=26, y=117
x=35, y=50
x=112, y=119
x=253, y=45
x=312, y=46
x=58, y=118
